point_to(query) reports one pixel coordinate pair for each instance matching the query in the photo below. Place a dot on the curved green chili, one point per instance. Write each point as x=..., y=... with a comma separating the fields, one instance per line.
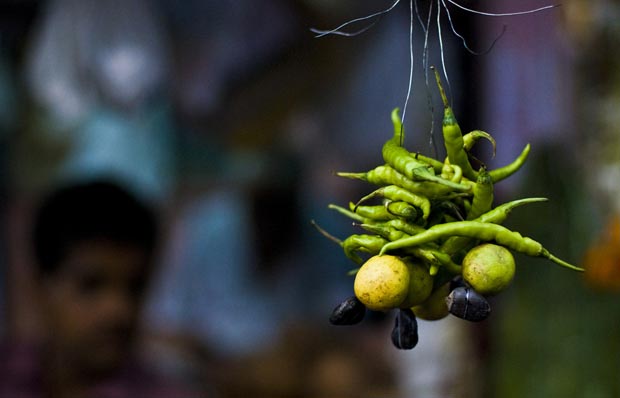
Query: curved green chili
x=370, y=244
x=447, y=171
x=399, y=224
x=365, y=243
x=452, y=135
x=452, y=172
x=352, y=215
x=482, y=231
x=497, y=215
x=387, y=175
x=375, y=212
x=385, y=231
x=404, y=162
x=506, y=171
x=401, y=209
x=396, y=155
x=470, y=139
x=482, y=201
x=434, y=258
x=397, y=193
x=446, y=261
x=436, y=164
x=408, y=228
x=391, y=231
x=427, y=257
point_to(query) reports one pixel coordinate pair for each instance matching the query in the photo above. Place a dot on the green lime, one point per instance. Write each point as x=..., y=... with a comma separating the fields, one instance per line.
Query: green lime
x=420, y=285
x=434, y=307
x=488, y=268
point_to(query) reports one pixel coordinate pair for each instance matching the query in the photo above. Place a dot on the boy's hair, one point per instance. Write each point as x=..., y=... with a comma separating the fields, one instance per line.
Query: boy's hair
x=93, y=210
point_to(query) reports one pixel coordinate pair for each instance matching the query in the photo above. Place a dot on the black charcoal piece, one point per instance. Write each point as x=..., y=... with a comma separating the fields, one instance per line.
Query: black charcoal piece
x=405, y=331
x=349, y=312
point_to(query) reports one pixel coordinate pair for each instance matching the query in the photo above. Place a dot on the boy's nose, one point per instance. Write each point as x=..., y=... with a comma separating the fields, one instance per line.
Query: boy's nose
x=118, y=307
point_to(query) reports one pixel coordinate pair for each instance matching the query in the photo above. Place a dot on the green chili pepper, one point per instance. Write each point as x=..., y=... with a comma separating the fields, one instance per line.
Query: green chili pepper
x=470, y=139
x=436, y=164
x=401, y=209
x=434, y=258
x=427, y=257
x=452, y=172
x=376, y=212
x=404, y=162
x=387, y=175
x=506, y=171
x=397, y=193
x=370, y=244
x=497, y=215
x=447, y=171
x=483, y=195
x=385, y=231
x=446, y=261
x=408, y=228
x=352, y=215
x=452, y=136
x=397, y=156
x=482, y=231
x=399, y=224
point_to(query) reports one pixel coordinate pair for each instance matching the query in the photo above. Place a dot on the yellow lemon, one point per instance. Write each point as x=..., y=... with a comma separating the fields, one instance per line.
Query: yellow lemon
x=382, y=283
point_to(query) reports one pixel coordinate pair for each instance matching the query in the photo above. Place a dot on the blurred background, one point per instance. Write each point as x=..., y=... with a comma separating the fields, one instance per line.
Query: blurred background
x=231, y=118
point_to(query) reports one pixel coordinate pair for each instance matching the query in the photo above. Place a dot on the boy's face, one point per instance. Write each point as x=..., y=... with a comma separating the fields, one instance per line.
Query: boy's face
x=91, y=304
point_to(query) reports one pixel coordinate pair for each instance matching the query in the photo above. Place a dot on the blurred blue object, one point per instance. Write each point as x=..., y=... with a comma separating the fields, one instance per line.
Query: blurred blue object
x=207, y=287
x=136, y=149
x=98, y=71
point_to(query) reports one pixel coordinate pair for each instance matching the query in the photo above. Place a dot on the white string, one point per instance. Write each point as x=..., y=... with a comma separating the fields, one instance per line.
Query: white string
x=503, y=14
x=336, y=31
x=441, y=52
x=417, y=13
x=454, y=29
x=321, y=33
x=410, y=64
x=426, y=35
x=429, y=97
x=426, y=29
x=457, y=34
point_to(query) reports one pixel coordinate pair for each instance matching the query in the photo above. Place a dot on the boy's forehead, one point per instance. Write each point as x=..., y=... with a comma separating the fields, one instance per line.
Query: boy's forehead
x=105, y=256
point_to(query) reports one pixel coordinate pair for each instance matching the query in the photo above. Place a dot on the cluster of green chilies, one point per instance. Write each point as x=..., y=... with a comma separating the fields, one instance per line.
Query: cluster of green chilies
x=432, y=210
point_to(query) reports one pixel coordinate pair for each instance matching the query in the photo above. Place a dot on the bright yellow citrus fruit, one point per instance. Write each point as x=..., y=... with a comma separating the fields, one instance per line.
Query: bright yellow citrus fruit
x=382, y=283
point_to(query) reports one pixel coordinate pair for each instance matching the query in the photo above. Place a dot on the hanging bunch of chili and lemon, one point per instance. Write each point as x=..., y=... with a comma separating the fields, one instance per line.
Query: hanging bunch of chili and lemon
x=435, y=245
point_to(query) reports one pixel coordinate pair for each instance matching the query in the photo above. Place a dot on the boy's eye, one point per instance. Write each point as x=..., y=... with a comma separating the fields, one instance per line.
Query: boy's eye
x=94, y=284
x=137, y=286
